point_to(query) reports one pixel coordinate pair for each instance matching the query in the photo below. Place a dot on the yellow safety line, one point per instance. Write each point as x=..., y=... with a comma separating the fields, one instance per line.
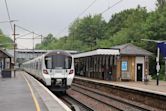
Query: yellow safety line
x=33, y=95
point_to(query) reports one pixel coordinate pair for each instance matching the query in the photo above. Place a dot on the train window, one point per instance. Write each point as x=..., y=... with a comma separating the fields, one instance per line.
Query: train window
x=48, y=62
x=61, y=62
x=58, y=62
x=68, y=61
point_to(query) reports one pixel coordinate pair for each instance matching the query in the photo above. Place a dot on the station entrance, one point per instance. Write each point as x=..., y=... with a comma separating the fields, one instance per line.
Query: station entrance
x=139, y=72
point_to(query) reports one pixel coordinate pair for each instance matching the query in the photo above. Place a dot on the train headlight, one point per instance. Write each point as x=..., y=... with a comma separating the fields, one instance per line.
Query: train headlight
x=45, y=71
x=71, y=71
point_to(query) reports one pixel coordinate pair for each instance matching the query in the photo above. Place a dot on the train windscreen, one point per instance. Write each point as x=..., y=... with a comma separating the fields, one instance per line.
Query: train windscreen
x=58, y=62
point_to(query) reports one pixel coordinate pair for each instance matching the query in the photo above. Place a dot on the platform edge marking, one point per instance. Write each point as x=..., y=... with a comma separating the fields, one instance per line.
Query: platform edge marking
x=52, y=95
x=33, y=95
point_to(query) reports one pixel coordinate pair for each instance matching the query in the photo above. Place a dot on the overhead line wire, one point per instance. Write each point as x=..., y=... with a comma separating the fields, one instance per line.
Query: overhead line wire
x=35, y=37
x=78, y=16
x=29, y=38
x=4, y=21
x=7, y=9
x=28, y=30
x=23, y=35
x=87, y=8
x=111, y=6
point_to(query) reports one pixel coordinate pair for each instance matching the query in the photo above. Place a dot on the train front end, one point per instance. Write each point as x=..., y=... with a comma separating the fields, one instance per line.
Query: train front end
x=58, y=70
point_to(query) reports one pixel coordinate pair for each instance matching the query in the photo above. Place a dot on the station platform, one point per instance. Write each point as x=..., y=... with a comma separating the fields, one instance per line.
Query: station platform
x=24, y=93
x=147, y=95
x=149, y=86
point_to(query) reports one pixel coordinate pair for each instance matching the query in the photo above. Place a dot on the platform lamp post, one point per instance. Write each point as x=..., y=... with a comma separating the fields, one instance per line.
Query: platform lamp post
x=14, y=36
x=162, y=47
x=158, y=65
x=157, y=58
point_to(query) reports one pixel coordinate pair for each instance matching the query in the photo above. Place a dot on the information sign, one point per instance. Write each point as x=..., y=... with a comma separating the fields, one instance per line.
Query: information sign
x=124, y=66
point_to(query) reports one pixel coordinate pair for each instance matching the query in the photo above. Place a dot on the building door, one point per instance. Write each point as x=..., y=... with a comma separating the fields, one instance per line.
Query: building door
x=139, y=72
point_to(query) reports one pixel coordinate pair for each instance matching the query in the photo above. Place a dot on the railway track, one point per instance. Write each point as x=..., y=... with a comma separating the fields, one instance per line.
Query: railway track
x=112, y=101
x=73, y=104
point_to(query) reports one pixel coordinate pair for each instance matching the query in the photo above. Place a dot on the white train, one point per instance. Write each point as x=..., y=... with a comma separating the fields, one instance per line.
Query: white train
x=55, y=69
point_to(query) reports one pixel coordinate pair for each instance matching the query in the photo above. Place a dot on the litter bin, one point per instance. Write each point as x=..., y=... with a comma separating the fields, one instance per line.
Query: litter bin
x=6, y=73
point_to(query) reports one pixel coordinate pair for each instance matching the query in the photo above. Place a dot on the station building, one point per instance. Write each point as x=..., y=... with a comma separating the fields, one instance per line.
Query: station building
x=120, y=63
x=5, y=61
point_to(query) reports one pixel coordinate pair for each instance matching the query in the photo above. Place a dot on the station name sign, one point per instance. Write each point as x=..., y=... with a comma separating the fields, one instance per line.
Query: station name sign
x=162, y=46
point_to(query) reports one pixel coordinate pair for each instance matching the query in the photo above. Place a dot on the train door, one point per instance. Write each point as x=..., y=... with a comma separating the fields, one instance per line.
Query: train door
x=139, y=71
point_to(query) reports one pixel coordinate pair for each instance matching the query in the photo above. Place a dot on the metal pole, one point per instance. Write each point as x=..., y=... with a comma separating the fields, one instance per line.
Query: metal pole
x=41, y=38
x=14, y=35
x=33, y=46
x=33, y=41
x=158, y=65
x=165, y=68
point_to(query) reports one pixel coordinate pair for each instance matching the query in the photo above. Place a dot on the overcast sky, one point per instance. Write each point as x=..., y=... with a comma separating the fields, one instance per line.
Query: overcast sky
x=52, y=16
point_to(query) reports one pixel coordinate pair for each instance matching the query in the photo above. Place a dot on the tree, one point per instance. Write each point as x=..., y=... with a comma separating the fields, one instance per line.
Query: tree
x=88, y=30
x=128, y=26
x=47, y=42
x=8, y=42
x=161, y=3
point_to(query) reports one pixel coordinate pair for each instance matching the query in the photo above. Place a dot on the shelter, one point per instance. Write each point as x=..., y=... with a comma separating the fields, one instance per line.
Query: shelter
x=122, y=62
x=133, y=63
x=5, y=60
x=99, y=64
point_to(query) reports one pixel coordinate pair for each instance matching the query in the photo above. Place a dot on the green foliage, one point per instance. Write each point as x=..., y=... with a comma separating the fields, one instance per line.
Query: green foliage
x=162, y=74
x=47, y=43
x=161, y=3
x=128, y=26
x=88, y=30
x=5, y=41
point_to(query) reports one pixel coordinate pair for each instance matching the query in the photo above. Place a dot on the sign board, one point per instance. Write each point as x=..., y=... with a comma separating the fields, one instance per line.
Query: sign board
x=162, y=46
x=124, y=66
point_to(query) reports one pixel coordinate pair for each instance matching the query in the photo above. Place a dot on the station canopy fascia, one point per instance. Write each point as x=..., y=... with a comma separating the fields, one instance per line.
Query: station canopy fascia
x=98, y=52
x=6, y=53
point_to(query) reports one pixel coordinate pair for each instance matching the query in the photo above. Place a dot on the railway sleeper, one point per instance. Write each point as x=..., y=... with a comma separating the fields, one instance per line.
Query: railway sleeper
x=118, y=99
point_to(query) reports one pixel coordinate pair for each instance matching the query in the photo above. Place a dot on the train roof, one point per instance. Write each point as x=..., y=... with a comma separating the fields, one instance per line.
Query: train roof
x=57, y=52
x=98, y=52
x=52, y=52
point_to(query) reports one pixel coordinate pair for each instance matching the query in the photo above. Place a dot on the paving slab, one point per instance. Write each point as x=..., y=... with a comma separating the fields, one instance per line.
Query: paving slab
x=149, y=86
x=15, y=95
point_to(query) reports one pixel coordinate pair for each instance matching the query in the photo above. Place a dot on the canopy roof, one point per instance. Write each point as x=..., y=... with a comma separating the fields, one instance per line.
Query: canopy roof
x=130, y=49
x=98, y=52
x=4, y=53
